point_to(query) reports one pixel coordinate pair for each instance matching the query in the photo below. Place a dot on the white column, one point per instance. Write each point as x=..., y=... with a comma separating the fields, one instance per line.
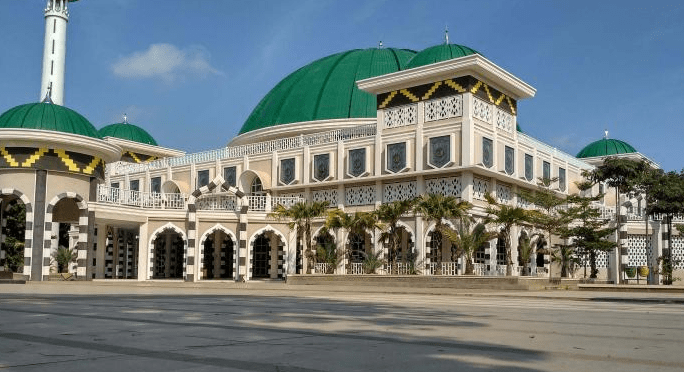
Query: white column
x=143, y=253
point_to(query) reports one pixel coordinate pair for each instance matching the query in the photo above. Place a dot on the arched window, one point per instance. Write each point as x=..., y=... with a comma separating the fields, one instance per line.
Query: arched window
x=257, y=187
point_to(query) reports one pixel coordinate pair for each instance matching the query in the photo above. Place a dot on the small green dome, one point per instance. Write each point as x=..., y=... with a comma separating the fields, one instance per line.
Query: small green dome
x=47, y=116
x=326, y=89
x=605, y=147
x=129, y=132
x=439, y=53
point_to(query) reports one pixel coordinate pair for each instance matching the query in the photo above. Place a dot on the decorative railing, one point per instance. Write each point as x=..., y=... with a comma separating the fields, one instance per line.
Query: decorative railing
x=153, y=200
x=333, y=136
x=479, y=269
x=449, y=268
x=217, y=202
x=530, y=141
x=356, y=268
x=400, y=268
x=285, y=201
x=256, y=203
x=322, y=268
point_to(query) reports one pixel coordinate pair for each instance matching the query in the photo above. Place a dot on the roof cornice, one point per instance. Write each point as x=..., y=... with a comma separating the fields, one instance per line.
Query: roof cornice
x=144, y=148
x=474, y=64
x=20, y=137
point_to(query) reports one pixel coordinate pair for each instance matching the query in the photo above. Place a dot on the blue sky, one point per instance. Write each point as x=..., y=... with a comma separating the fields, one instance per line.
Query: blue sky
x=616, y=65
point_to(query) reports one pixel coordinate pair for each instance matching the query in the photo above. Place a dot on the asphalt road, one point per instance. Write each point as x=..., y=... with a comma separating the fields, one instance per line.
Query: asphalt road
x=251, y=330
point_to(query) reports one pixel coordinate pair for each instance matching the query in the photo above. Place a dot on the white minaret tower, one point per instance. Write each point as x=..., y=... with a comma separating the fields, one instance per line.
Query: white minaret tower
x=54, y=52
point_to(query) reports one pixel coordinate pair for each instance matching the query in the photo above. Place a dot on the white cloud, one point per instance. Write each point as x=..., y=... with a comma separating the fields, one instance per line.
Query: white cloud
x=165, y=61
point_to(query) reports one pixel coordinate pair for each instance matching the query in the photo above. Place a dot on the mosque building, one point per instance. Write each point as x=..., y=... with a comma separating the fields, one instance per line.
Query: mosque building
x=354, y=129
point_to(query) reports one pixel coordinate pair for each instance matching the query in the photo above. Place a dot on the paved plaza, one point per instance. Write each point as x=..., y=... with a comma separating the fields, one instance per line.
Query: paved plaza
x=276, y=327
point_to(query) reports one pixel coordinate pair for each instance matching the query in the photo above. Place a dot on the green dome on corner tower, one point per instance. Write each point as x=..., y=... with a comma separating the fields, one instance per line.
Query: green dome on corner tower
x=128, y=132
x=326, y=89
x=605, y=147
x=47, y=116
x=440, y=53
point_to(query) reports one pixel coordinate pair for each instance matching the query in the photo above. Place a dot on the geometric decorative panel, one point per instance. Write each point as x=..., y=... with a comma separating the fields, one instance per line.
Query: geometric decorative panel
x=447, y=186
x=487, y=152
x=509, y=160
x=480, y=188
x=321, y=167
x=399, y=191
x=546, y=170
x=400, y=116
x=444, y=108
x=360, y=195
x=396, y=157
x=482, y=110
x=639, y=250
x=357, y=162
x=529, y=167
x=678, y=251
x=329, y=195
x=504, y=121
x=287, y=170
x=229, y=175
x=503, y=193
x=561, y=179
x=440, y=151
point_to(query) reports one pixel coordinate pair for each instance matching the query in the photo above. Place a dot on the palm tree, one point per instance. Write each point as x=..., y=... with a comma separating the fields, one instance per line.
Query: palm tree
x=526, y=247
x=356, y=223
x=505, y=217
x=566, y=258
x=390, y=214
x=300, y=217
x=468, y=240
x=64, y=256
x=438, y=208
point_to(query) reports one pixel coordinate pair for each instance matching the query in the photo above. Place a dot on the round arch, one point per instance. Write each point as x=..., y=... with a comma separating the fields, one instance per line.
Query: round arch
x=82, y=244
x=28, y=231
x=150, y=246
x=203, y=238
x=282, y=250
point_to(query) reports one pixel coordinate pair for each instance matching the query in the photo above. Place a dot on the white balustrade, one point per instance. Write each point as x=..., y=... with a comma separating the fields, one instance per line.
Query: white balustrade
x=450, y=268
x=479, y=269
x=285, y=201
x=152, y=200
x=356, y=268
x=333, y=136
x=321, y=268
x=217, y=202
x=256, y=203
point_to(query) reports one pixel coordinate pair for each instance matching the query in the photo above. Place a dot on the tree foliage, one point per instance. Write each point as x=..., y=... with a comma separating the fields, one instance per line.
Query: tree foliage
x=300, y=217
x=390, y=214
x=467, y=240
x=504, y=216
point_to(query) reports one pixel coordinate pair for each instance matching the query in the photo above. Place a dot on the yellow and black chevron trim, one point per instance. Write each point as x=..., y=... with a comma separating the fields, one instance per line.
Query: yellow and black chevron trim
x=447, y=88
x=133, y=157
x=51, y=159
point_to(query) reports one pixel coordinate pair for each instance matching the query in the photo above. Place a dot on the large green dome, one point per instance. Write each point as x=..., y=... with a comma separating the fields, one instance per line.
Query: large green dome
x=439, y=53
x=47, y=116
x=605, y=147
x=128, y=132
x=326, y=89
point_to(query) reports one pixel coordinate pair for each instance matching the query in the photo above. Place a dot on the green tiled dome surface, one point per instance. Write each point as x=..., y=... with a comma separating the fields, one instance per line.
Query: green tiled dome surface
x=129, y=132
x=326, y=89
x=605, y=147
x=439, y=53
x=47, y=116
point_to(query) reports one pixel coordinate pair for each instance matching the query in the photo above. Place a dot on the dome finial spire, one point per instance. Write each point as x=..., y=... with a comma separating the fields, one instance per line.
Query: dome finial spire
x=125, y=119
x=48, y=94
x=380, y=44
x=446, y=34
x=605, y=133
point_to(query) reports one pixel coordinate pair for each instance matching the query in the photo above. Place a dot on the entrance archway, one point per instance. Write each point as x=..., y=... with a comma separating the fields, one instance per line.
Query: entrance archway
x=218, y=254
x=168, y=252
x=13, y=216
x=267, y=254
